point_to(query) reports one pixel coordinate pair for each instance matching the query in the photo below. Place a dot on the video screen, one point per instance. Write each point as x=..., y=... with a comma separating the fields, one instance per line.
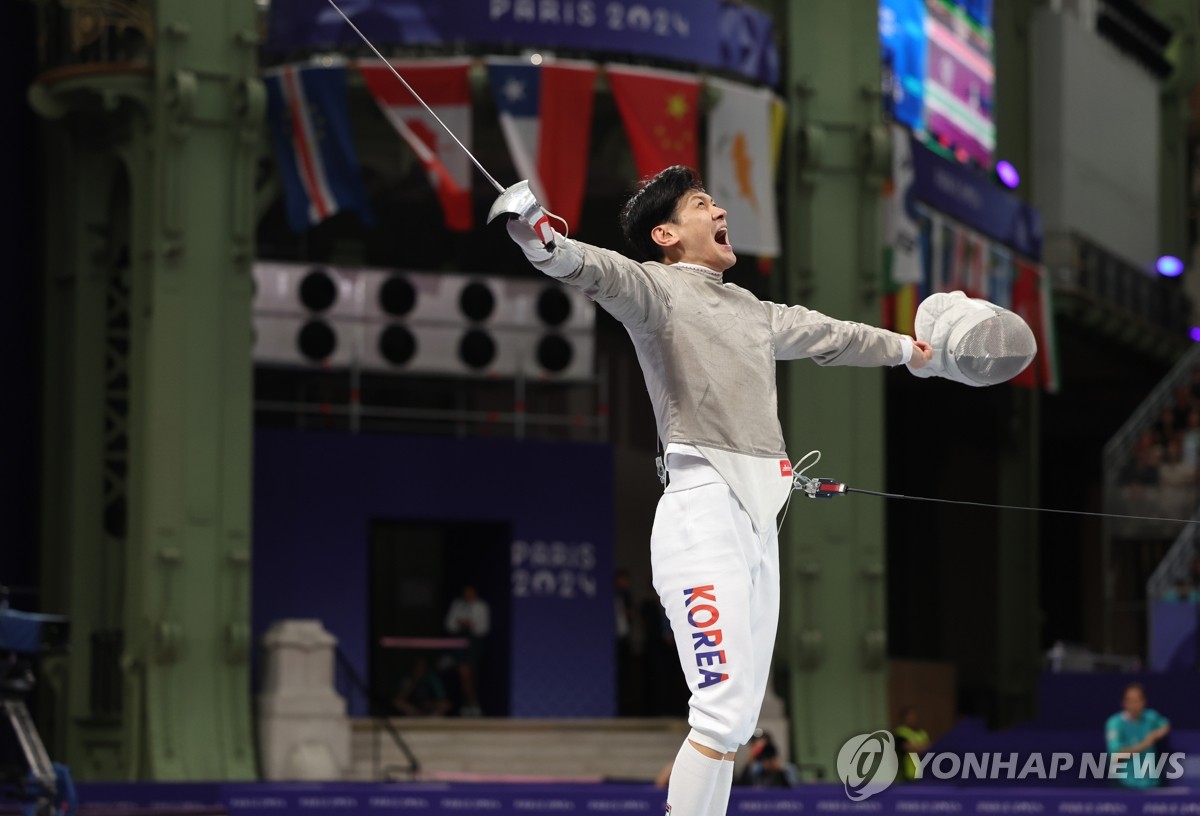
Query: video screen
x=938, y=74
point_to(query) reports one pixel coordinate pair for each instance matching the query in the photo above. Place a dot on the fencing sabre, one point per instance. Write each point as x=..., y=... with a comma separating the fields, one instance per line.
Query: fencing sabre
x=517, y=201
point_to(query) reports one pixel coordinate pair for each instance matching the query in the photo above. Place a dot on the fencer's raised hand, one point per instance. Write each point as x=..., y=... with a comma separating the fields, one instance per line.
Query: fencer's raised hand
x=922, y=353
x=559, y=260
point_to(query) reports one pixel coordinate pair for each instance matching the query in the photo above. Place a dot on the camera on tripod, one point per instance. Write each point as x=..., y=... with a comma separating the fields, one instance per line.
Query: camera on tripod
x=25, y=636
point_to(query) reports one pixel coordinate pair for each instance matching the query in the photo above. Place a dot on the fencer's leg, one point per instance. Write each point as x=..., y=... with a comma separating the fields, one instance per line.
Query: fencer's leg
x=694, y=777
x=699, y=556
x=764, y=623
x=720, y=796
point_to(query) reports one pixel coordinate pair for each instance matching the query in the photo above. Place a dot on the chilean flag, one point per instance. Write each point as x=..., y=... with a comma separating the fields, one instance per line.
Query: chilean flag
x=546, y=117
x=444, y=86
x=310, y=127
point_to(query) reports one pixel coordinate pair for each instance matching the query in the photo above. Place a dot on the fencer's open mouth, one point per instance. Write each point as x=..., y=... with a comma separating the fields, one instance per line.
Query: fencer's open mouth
x=722, y=236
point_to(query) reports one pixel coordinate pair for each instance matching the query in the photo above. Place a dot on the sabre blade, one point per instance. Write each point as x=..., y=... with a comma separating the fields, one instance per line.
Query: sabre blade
x=417, y=96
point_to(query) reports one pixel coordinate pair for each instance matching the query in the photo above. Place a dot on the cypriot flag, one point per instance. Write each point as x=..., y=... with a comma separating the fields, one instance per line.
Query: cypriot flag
x=741, y=173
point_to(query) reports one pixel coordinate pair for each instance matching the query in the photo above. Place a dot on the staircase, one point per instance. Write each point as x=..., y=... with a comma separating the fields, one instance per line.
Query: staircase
x=1145, y=558
x=480, y=749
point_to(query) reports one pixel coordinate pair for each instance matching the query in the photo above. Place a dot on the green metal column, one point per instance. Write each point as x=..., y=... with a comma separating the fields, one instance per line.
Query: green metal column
x=833, y=633
x=178, y=407
x=1175, y=187
x=1019, y=619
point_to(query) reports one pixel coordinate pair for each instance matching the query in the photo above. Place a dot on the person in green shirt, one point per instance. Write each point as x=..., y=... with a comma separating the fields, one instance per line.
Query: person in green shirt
x=1132, y=733
x=910, y=739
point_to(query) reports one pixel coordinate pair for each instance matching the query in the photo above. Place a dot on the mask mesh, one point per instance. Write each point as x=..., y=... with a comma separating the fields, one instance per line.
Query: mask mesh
x=996, y=350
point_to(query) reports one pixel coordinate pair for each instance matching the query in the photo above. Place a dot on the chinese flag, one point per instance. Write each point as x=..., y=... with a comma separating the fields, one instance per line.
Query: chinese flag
x=659, y=112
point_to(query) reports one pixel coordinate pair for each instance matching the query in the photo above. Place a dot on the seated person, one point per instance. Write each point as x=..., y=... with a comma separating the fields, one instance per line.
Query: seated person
x=421, y=693
x=766, y=768
x=1131, y=734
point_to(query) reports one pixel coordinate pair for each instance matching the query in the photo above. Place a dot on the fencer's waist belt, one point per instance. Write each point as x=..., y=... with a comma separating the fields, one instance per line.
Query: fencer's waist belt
x=688, y=471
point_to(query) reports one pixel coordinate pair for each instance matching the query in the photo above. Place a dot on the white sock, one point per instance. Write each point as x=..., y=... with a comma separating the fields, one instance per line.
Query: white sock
x=720, y=796
x=693, y=779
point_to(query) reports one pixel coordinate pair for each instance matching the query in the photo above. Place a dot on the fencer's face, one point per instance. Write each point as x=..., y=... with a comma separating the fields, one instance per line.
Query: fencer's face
x=697, y=234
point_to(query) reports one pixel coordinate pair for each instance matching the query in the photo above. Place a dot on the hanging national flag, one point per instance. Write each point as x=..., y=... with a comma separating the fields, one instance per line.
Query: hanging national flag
x=902, y=229
x=1000, y=277
x=546, y=117
x=941, y=242
x=659, y=112
x=739, y=174
x=1031, y=300
x=444, y=86
x=314, y=150
x=975, y=277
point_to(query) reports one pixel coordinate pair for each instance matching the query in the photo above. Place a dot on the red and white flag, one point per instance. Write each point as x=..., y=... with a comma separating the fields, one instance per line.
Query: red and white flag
x=444, y=86
x=659, y=112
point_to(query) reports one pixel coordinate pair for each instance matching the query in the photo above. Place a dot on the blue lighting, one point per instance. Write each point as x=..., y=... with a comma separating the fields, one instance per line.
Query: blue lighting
x=1195, y=333
x=1169, y=266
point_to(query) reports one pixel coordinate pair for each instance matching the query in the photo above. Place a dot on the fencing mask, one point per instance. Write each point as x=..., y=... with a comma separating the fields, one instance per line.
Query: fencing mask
x=974, y=342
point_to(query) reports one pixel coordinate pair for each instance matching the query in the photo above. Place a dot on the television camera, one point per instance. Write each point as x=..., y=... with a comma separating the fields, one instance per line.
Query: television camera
x=24, y=636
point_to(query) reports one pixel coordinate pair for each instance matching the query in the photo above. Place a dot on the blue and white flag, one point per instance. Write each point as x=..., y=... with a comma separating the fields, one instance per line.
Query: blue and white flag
x=314, y=150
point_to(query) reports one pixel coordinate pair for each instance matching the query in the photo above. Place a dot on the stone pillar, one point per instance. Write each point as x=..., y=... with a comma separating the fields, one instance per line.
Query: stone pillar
x=303, y=729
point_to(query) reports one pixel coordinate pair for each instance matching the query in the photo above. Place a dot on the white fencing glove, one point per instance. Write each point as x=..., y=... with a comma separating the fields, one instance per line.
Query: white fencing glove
x=558, y=257
x=529, y=227
x=974, y=342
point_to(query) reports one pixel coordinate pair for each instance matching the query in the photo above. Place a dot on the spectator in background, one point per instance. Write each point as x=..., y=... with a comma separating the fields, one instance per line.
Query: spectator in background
x=1142, y=468
x=421, y=693
x=470, y=618
x=1191, y=439
x=1182, y=406
x=910, y=739
x=766, y=768
x=1133, y=733
x=1165, y=427
x=623, y=602
x=1178, y=481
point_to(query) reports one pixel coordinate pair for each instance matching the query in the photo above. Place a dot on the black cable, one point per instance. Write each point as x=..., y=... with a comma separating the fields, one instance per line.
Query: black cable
x=1017, y=507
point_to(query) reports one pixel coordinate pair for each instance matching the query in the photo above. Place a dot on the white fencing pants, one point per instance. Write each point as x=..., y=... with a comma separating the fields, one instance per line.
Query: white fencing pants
x=718, y=580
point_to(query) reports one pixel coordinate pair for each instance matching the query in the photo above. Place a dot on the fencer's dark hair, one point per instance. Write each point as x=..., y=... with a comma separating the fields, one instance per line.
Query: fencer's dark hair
x=654, y=204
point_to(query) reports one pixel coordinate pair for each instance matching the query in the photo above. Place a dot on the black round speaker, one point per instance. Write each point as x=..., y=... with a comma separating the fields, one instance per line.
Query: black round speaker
x=554, y=353
x=553, y=306
x=477, y=349
x=397, y=344
x=477, y=301
x=316, y=340
x=397, y=296
x=318, y=291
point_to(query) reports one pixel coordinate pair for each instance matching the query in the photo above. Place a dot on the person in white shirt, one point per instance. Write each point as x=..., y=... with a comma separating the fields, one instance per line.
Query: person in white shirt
x=707, y=349
x=469, y=617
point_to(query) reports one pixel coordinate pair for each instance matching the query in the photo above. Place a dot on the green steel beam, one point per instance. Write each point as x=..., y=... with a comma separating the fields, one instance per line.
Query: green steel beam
x=1176, y=197
x=833, y=632
x=187, y=134
x=1019, y=619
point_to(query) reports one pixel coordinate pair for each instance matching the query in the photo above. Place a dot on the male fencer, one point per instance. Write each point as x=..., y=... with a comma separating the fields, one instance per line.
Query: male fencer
x=707, y=349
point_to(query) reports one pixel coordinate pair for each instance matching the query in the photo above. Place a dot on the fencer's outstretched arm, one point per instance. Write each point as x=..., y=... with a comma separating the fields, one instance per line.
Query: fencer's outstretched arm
x=801, y=333
x=631, y=292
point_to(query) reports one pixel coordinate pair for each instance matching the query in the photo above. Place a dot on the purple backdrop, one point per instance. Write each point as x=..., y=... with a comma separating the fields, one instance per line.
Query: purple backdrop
x=315, y=495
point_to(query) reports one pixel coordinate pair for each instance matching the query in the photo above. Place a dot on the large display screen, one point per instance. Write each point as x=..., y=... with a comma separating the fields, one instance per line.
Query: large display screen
x=938, y=73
